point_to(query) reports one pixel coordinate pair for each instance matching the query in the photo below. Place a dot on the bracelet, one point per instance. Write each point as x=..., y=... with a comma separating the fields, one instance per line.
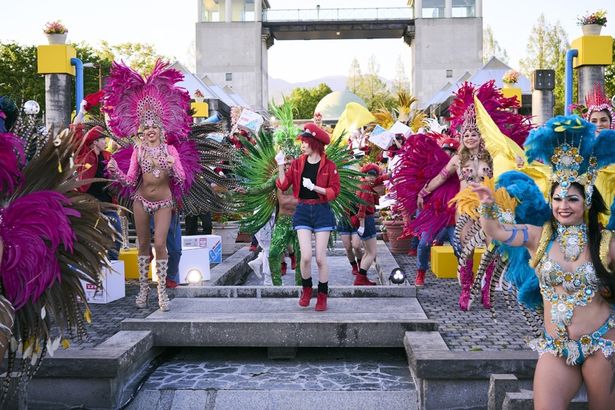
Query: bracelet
x=423, y=192
x=489, y=211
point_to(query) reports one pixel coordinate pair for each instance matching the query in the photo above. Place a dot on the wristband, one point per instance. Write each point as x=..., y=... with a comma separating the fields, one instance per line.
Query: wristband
x=424, y=192
x=489, y=211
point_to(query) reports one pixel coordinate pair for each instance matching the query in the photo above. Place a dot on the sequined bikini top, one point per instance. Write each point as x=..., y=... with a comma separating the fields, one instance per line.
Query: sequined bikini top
x=470, y=173
x=153, y=159
x=580, y=286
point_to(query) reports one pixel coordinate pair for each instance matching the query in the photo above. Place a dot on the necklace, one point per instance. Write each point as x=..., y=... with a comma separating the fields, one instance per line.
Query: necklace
x=155, y=154
x=572, y=240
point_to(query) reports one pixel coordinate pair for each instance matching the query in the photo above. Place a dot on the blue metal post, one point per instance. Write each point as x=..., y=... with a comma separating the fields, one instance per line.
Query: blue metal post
x=570, y=54
x=78, y=82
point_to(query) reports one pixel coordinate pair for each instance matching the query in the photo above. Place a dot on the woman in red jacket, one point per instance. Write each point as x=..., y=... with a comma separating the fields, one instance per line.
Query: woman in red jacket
x=315, y=183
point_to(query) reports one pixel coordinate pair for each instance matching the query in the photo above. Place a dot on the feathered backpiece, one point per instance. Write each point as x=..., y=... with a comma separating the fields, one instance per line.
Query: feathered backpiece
x=531, y=209
x=53, y=236
x=285, y=134
x=132, y=101
x=597, y=101
x=513, y=125
x=421, y=159
x=569, y=145
x=611, y=224
x=11, y=161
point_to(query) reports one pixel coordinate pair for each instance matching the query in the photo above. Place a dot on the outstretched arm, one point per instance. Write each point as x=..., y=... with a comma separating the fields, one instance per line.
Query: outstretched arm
x=512, y=235
x=449, y=169
x=129, y=179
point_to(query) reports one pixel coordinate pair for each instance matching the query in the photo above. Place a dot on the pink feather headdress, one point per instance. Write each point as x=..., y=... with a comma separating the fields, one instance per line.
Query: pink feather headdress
x=597, y=101
x=132, y=101
x=513, y=125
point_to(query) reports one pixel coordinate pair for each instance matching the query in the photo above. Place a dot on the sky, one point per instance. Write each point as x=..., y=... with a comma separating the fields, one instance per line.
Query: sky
x=170, y=27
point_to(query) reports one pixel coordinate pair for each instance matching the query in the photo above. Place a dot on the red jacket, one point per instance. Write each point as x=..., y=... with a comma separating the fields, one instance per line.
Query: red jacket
x=370, y=196
x=87, y=165
x=327, y=177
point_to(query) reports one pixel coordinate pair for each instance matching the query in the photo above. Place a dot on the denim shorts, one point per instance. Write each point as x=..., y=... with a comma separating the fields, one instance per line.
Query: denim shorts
x=315, y=217
x=344, y=228
x=370, y=228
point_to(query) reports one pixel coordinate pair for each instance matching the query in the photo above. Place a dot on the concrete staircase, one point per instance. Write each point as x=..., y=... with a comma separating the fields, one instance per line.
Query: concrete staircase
x=378, y=319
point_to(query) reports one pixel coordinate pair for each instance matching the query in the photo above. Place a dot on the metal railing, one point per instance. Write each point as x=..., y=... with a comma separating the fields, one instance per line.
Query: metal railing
x=339, y=14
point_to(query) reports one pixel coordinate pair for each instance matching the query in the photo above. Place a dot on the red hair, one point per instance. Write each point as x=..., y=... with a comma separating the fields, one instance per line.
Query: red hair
x=314, y=144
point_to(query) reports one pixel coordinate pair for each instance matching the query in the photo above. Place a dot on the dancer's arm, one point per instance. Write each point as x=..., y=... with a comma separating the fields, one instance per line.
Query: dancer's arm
x=177, y=170
x=129, y=179
x=448, y=170
x=512, y=235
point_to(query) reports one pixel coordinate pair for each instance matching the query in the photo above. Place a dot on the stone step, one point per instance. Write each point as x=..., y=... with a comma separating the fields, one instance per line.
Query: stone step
x=394, y=291
x=274, y=399
x=280, y=322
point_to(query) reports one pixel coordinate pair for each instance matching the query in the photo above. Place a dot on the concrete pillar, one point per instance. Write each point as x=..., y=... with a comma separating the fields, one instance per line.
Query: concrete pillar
x=418, y=9
x=258, y=10
x=448, y=9
x=589, y=76
x=479, y=8
x=199, y=6
x=542, y=106
x=228, y=11
x=58, y=97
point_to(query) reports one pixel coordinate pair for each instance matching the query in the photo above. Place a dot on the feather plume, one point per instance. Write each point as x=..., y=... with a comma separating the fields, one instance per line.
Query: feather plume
x=125, y=90
x=514, y=126
x=11, y=161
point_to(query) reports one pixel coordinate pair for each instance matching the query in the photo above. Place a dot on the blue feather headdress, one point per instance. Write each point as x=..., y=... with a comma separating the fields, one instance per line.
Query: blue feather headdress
x=570, y=146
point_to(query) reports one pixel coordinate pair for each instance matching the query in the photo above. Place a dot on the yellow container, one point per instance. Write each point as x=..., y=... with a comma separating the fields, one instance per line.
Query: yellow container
x=201, y=109
x=444, y=262
x=55, y=59
x=593, y=50
x=131, y=267
x=510, y=92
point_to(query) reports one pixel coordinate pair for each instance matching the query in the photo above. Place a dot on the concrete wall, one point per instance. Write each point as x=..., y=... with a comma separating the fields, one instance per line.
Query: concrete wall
x=442, y=44
x=235, y=48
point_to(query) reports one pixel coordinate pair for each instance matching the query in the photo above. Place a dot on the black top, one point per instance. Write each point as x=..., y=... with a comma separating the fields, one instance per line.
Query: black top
x=99, y=189
x=309, y=171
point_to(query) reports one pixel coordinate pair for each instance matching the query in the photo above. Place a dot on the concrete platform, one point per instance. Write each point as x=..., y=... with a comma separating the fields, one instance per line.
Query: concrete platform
x=394, y=291
x=280, y=322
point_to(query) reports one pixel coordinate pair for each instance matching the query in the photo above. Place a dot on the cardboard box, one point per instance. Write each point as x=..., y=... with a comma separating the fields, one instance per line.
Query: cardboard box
x=212, y=242
x=113, y=285
x=444, y=261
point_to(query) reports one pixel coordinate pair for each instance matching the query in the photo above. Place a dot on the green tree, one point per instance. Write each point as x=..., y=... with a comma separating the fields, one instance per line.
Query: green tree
x=305, y=100
x=373, y=90
x=546, y=49
x=139, y=56
x=353, y=83
x=400, y=82
x=19, y=78
x=491, y=47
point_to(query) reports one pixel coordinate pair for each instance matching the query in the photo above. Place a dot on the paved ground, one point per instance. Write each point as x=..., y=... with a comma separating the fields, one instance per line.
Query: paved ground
x=313, y=369
x=467, y=331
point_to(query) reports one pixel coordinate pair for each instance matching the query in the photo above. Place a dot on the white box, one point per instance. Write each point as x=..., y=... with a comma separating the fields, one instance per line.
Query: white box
x=194, y=258
x=113, y=285
x=212, y=242
x=250, y=121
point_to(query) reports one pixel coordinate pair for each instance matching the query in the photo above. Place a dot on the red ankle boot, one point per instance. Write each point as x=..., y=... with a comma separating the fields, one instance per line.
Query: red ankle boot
x=306, y=295
x=420, y=277
x=412, y=252
x=283, y=269
x=321, y=302
x=293, y=261
x=355, y=269
x=361, y=280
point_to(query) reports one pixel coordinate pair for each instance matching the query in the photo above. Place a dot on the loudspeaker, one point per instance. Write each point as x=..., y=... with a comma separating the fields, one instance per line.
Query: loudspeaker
x=543, y=80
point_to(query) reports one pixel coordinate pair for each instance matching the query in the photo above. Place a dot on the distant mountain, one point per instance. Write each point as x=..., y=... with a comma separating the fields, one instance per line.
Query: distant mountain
x=279, y=88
